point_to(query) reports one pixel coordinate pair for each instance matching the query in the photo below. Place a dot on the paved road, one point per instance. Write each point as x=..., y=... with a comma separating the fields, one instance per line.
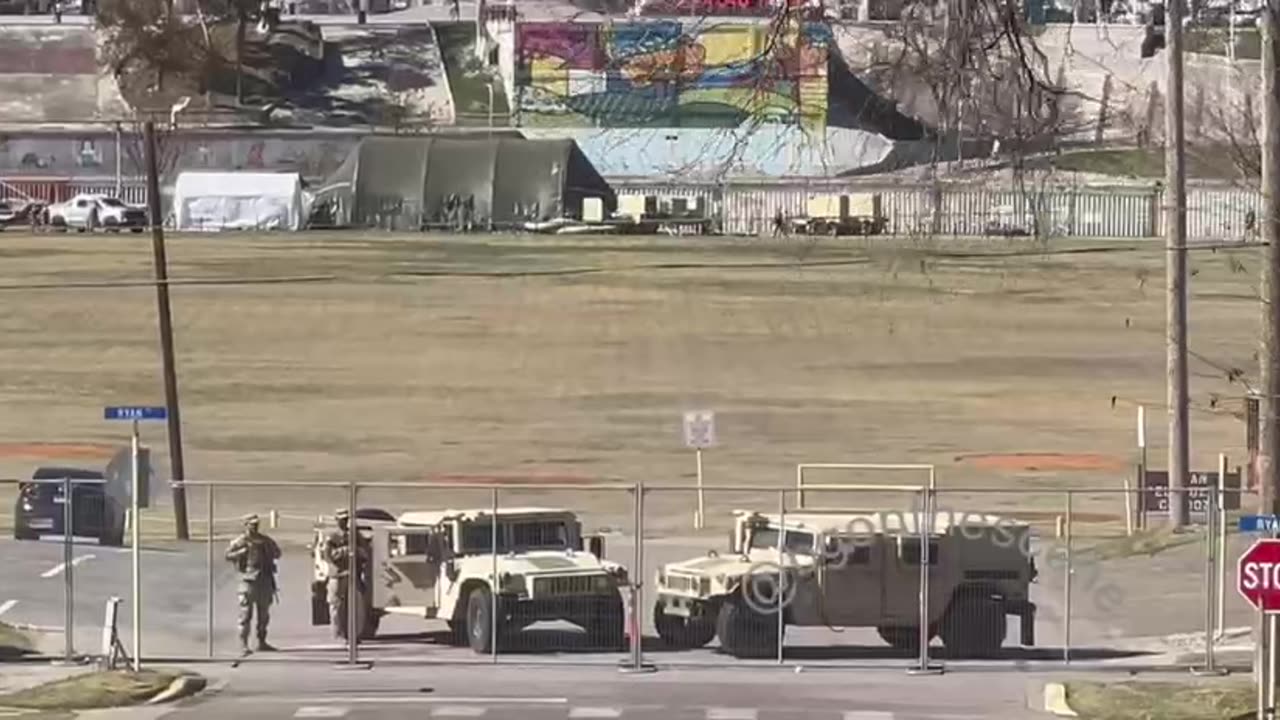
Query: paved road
x=268, y=692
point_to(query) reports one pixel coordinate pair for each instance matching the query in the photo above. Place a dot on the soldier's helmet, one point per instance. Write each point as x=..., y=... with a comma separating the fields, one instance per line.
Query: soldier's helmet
x=250, y=520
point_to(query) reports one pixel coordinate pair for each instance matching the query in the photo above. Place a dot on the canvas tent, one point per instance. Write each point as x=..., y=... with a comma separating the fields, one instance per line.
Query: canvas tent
x=239, y=201
x=461, y=181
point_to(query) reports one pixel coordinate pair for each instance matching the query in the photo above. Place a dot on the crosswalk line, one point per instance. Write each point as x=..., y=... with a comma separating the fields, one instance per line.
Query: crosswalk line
x=731, y=713
x=594, y=712
x=320, y=711
x=868, y=715
x=458, y=711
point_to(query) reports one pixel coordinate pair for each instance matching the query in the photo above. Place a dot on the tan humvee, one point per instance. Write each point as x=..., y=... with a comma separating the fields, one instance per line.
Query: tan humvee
x=440, y=565
x=845, y=569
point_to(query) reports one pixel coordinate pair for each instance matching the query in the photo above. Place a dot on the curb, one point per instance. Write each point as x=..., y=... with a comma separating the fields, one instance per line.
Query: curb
x=182, y=686
x=1055, y=700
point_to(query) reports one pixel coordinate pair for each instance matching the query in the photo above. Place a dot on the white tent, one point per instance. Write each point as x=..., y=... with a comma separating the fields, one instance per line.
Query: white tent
x=239, y=201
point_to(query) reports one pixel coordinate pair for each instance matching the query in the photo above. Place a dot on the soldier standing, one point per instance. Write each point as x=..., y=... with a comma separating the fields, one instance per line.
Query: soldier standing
x=337, y=551
x=254, y=555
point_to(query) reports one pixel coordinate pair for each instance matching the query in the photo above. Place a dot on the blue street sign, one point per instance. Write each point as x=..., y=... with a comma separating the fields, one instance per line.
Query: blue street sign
x=1259, y=523
x=131, y=412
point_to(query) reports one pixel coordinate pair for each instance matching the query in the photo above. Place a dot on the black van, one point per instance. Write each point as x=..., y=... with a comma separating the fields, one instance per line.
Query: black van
x=39, y=507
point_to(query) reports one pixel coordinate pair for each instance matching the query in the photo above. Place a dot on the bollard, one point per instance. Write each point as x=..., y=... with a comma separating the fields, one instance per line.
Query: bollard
x=1057, y=527
x=273, y=519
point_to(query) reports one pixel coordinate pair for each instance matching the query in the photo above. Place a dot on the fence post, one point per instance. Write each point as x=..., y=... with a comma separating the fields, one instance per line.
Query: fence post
x=209, y=565
x=925, y=522
x=1066, y=592
x=635, y=663
x=1210, y=572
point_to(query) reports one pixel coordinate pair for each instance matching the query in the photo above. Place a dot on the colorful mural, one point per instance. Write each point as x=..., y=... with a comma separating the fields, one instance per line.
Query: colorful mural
x=671, y=74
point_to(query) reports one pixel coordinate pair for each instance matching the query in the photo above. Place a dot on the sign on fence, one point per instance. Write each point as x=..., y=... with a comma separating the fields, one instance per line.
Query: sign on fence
x=1154, y=498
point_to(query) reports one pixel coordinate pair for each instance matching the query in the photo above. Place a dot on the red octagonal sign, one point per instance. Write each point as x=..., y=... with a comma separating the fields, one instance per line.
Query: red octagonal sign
x=1258, y=575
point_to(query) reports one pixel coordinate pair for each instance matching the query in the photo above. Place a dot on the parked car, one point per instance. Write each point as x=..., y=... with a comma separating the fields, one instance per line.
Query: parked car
x=90, y=212
x=8, y=214
x=38, y=509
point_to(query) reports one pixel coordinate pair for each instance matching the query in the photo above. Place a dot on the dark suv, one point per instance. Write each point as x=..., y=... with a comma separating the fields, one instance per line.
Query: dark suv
x=39, y=507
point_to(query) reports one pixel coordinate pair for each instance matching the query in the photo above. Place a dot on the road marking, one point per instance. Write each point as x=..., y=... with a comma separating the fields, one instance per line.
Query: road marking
x=595, y=712
x=320, y=711
x=57, y=569
x=421, y=700
x=731, y=713
x=458, y=711
x=7, y=605
x=868, y=715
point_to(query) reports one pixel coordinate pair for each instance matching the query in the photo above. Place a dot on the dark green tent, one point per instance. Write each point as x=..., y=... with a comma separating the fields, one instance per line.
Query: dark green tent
x=449, y=181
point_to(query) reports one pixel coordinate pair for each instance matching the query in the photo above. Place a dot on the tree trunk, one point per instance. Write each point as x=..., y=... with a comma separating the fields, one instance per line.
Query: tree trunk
x=241, y=26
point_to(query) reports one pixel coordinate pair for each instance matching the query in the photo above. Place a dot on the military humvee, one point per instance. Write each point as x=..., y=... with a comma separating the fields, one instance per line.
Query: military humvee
x=439, y=565
x=845, y=569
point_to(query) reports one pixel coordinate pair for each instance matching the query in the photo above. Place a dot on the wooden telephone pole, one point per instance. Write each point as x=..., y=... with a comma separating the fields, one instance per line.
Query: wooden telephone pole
x=161, y=268
x=1175, y=231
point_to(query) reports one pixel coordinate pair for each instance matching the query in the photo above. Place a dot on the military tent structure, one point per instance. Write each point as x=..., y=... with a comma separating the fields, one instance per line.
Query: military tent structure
x=461, y=181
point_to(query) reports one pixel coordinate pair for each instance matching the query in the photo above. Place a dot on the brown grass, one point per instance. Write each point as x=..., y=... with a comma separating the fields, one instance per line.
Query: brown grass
x=901, y=354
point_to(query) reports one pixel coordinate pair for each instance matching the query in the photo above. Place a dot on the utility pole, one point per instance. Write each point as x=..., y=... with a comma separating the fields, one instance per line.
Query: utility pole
x=1269, y=357
x=1175, y=231
x=161, y=267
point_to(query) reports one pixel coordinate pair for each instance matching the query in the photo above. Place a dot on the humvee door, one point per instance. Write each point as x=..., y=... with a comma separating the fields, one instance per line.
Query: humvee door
x=408, y=568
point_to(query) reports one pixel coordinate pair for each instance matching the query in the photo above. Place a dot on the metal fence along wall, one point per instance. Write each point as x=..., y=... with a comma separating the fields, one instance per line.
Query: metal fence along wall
x=1127, y=212
x=1095, y=212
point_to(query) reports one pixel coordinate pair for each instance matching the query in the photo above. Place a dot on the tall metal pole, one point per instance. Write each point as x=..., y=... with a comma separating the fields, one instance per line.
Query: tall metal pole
x=354, y=626
x=208, y=589
x=135, y=538
x=69, y=597
x=1175, y=229
x=161, y=267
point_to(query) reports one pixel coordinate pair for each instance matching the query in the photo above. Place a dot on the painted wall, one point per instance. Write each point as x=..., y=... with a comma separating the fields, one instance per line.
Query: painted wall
x=93, y=153
x=670, y=74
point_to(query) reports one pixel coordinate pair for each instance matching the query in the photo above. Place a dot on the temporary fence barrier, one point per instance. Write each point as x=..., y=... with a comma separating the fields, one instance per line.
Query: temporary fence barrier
x=945, y=584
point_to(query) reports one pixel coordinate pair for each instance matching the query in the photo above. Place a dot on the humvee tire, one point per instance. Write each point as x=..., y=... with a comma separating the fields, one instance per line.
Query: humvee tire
x=901, y=637
x=606, y=627
x=682, y=633
x=744, y=632
x=481, y=630
x=975, y=626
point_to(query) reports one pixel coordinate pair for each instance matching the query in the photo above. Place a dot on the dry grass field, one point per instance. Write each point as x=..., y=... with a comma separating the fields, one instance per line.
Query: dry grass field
x=411, y=357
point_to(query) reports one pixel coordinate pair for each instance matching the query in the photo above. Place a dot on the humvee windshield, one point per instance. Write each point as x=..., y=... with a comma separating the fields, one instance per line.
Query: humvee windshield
x=766, y=538
x=477, y=537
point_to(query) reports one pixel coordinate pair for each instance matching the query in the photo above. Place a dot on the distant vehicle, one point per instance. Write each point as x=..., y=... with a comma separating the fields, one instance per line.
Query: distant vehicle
x=439, y=565
x=8, y=214
x=850, y=214
x=38, y=509
x=91, y=212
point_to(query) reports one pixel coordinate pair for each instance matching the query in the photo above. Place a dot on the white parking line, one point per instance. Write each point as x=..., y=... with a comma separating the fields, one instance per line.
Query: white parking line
x=7, y=605
x=420, y=700
x=56, y=570
x=320, y=711
x=458, y=711
x=732, y=713
x=868, y=715
x=595, y=712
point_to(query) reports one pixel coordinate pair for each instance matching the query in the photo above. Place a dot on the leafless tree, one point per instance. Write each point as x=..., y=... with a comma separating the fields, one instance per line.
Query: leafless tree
x=145, y=36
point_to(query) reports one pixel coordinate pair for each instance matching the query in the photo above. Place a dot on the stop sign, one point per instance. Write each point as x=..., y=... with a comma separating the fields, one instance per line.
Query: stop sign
x=1258, y=575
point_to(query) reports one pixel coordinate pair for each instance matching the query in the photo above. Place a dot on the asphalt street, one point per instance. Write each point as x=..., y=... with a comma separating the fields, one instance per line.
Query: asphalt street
x=274, y=691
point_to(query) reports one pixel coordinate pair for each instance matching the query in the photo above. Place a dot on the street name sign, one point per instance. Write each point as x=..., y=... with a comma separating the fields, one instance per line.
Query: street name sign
x=135, y=412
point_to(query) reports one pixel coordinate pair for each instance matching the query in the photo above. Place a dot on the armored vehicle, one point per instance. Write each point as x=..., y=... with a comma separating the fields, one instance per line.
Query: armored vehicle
x=844, y=569
x=442, y=565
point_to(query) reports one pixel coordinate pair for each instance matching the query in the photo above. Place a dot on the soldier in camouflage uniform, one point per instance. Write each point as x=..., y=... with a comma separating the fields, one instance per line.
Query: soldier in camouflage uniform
x=254, y=555
x=337, y=551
